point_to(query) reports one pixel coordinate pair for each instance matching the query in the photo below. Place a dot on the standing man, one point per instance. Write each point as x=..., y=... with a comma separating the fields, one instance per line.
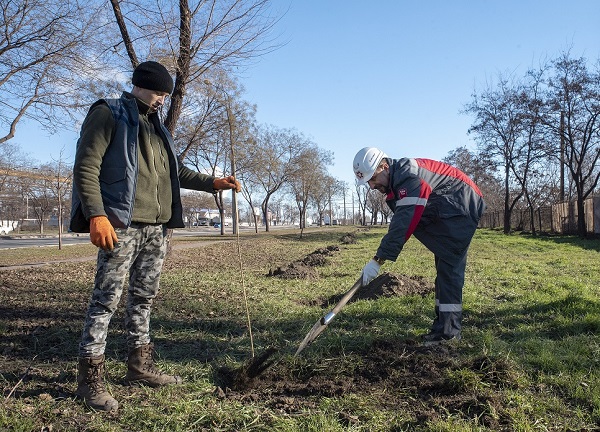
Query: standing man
x=126, y=194
x=441, y=206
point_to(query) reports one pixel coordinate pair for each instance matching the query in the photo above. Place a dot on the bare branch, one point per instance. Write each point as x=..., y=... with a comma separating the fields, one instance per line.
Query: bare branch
x=124, y=32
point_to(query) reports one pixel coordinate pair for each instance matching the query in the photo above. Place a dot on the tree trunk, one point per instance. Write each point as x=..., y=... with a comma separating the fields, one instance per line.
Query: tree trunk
x=183, y=66
x=507, y=209
x=581, y=228
x=265, y=207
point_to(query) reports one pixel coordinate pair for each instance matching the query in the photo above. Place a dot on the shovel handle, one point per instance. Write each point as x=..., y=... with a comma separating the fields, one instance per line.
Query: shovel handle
x=321, y=324
x=338, y=307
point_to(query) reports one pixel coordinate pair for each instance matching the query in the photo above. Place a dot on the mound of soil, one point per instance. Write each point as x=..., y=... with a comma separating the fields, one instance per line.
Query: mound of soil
x=425, y=382
x=390, y=285
x=304, y=268
x=387, y=285
x=349, y=238
x=295, y=270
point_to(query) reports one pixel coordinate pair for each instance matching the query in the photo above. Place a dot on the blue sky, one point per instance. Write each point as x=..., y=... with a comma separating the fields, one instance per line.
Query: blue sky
x=392, y=74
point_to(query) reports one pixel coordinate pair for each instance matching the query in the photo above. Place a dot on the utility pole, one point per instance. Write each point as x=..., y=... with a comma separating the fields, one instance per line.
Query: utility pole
x=345, y=221
x=352, y=208
x=330, y=214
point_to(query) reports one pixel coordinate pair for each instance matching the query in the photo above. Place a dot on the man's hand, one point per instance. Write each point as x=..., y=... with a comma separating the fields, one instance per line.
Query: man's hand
x=102, y=233
x=370, y=272
x=227, y=183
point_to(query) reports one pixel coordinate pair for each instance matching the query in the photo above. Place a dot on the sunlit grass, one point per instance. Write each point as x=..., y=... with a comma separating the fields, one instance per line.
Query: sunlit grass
x=531, y=306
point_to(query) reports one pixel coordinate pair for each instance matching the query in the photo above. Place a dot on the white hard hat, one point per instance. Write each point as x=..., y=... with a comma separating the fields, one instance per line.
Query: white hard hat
x=365, y=163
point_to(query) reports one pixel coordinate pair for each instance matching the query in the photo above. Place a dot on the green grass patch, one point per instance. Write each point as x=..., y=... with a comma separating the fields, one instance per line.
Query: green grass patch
x=528, y=359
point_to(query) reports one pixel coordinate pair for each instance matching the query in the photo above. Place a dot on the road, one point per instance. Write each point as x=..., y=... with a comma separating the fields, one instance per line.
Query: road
x=25, y=241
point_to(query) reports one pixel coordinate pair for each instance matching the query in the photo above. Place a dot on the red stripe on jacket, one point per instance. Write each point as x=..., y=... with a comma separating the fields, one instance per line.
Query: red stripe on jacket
x=447, y=170
x=424, y=193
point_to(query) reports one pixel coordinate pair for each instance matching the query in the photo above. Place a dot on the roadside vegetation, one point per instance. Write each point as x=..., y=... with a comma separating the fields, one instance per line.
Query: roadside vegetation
x=528, y=359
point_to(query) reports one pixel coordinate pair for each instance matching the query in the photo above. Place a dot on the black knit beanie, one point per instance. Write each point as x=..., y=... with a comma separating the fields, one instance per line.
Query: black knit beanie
x=152, y=75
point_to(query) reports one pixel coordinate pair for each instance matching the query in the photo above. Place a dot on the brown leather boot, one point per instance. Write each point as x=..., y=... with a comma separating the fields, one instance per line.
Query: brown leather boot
x=90, y=384
x=141, y=369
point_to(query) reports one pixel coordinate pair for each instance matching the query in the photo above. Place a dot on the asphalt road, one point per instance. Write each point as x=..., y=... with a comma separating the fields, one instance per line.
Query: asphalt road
x=33, y=240
x=14, y=242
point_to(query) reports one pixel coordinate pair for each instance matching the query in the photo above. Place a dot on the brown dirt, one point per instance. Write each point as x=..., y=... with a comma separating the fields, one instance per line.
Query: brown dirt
x=399, y=375
x=388, y=285
x=39, y=316
x=349, y=238
x=304, y=268
x=385, y=285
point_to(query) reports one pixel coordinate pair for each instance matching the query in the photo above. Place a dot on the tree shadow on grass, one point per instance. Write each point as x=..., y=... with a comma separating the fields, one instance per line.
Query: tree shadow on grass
x=555, y=320
x=351, y=358
x=592, y=243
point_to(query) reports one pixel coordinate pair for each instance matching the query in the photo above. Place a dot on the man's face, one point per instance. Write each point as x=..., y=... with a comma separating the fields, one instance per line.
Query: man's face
x=380, y=179
x=155, y=99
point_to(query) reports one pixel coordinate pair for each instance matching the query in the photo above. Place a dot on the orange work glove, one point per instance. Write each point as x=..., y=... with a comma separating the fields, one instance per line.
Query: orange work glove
x=227, y=183
x=102, y=233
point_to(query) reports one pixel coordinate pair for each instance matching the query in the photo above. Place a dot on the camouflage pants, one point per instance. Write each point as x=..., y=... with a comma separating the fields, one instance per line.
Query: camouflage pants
x=140, y=252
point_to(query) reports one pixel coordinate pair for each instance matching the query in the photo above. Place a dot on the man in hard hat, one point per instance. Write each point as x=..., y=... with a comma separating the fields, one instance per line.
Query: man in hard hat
x=126, y=194
x=441, y=207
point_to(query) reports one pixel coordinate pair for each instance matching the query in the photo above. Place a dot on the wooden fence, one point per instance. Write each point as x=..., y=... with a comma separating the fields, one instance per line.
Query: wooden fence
x=559, y=218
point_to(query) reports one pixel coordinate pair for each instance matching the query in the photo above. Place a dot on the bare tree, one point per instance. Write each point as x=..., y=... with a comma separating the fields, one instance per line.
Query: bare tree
x=250, y=191
x=274, y=159
x=40, y=199
x=534, y=151
x=374, y=205
x=308, y=177
x=573, y=109
x=16, y=170
x=362, y=193
x=193, y=38
x=321, y=195
x=211, y=160
x=498, y=128
x=42, y=52
x=482, y=170
x=57, y=180
x=218, y=127
x=378, y=201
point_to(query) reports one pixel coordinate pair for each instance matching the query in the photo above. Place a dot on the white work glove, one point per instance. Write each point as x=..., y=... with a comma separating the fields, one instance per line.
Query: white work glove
x=370, y=272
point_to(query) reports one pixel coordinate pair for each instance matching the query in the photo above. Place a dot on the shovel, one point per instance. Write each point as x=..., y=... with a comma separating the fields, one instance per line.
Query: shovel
x=322, y=323
x=259, y=364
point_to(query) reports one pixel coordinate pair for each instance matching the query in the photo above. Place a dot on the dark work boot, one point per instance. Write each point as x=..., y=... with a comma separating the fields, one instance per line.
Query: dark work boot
x=90, y=384
x=439, y=338
x=446, y=327
x=141, y=369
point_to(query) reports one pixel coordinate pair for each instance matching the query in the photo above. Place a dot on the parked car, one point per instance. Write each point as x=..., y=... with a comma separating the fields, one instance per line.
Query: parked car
x=217, y=225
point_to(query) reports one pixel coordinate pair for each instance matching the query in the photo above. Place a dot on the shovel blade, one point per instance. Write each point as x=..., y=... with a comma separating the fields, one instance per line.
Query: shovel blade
x=316, y=330
x=322, y=323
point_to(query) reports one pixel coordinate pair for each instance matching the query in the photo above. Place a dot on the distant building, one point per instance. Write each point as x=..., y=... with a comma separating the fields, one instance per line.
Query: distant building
x=7, y=226
x=206, y=217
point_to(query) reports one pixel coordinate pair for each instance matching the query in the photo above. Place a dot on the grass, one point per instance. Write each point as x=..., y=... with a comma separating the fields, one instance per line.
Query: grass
x=528, y=360
x=12, y=257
